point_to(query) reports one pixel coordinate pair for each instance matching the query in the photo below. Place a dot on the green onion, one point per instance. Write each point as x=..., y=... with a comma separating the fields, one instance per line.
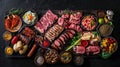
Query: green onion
x=75, y=41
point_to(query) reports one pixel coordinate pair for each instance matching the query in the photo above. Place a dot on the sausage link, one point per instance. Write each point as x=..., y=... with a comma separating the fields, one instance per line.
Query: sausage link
x=32, y=50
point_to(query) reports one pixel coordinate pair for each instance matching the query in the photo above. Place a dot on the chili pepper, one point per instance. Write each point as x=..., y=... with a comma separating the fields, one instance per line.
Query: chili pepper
x=14, y=40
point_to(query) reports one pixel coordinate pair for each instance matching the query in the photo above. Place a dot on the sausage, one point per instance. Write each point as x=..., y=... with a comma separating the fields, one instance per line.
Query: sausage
x=32, y=50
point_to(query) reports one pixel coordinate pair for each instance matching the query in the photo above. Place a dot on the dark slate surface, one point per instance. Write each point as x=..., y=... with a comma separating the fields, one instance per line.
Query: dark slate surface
x=6, y=5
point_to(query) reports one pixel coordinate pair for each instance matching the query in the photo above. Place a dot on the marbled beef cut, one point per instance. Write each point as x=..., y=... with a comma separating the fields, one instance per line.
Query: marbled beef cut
x=79, y=49
x=46, y=21
x=75, y=27
x=75, y=18
x=93, y=49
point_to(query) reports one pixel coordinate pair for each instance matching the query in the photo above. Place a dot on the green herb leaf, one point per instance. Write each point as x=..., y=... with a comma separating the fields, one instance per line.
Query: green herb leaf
x=66, y=11
x=110, y=23
x=92, y=23
x=16, y=11
x=95, y=33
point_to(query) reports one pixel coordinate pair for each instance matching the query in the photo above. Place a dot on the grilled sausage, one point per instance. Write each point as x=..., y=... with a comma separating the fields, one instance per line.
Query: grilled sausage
x=32, y=50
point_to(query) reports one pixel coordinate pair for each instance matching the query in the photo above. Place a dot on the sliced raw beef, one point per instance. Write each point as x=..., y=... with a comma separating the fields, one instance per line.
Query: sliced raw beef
x=75, y=18
x=62, y=39
x=39, y=27
x=79, y=49
x=61, y=21
x=65, y=16
x=93, y=49
x=75, y=27
x=46, y=21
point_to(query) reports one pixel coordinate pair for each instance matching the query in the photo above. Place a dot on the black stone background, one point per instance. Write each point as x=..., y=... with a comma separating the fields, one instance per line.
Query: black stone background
x=6, y=5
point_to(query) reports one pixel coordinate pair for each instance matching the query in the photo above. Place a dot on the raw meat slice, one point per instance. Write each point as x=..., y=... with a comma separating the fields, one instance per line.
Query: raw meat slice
x=79, y=49
x=60, y=21
x=39, y=27
x=46, y=21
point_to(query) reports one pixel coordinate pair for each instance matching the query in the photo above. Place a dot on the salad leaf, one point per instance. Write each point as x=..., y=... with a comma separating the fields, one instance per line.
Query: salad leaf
x=95, y=33
x=105, y=55
x=110, y=23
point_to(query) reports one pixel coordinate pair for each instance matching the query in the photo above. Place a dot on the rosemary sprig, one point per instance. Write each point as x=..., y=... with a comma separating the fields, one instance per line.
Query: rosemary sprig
x=16, y=11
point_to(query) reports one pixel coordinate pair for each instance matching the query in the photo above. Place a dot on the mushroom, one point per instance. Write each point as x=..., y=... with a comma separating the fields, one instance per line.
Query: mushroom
x=23, y=50
x=15, y=48
x=19, y=45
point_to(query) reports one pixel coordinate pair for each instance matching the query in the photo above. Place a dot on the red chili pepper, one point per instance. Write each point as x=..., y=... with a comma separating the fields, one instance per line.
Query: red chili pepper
x=14, y=40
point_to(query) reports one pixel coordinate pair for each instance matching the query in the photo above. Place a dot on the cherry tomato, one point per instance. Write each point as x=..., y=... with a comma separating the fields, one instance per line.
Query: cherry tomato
x=46, y=43
x=84, y=43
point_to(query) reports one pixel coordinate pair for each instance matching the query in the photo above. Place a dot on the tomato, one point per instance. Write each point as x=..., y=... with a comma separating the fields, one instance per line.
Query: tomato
x=30, y=17
x=84, y=43
x=14, y=40
x=46, y=43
